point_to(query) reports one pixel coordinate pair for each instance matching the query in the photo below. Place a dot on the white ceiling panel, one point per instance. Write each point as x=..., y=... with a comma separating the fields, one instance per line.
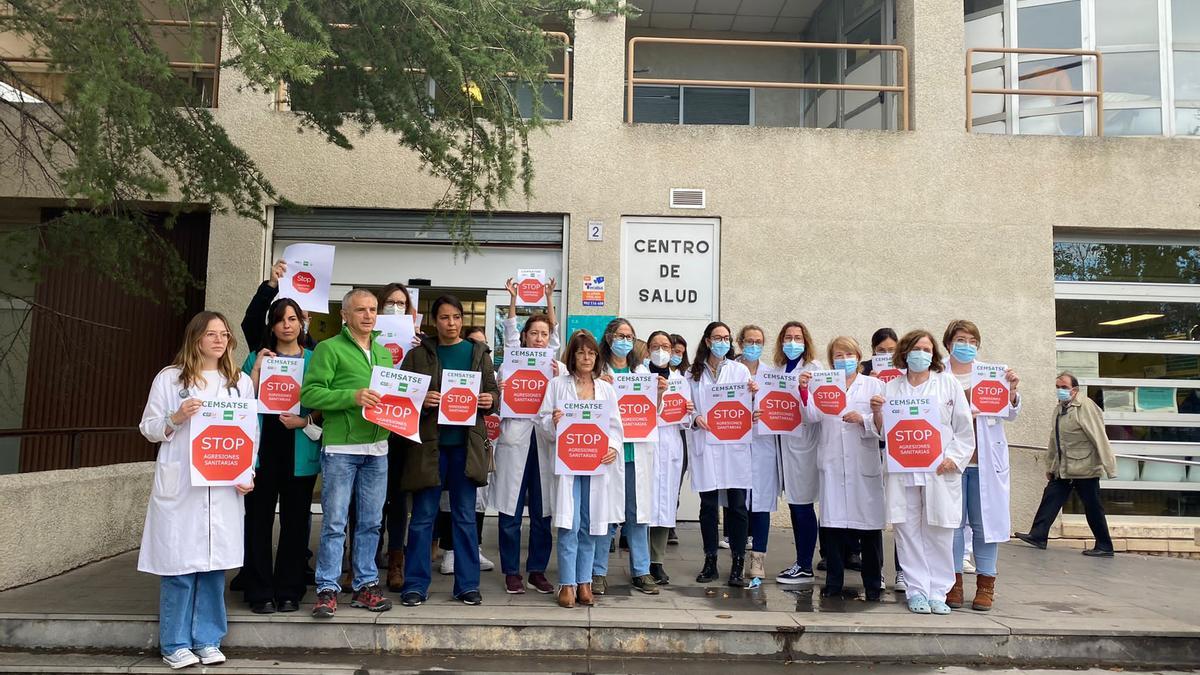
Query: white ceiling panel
x=753, y=24
x=712, y=22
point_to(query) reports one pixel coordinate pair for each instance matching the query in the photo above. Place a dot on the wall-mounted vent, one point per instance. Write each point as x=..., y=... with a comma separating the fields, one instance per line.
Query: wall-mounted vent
x=687, y=198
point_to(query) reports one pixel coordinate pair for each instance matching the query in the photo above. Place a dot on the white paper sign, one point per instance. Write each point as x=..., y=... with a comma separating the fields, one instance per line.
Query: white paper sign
x=581, y=438
x=637, y=398
x=460, y=398
x=309, y=275
x=989, y=393
x=913, y=433
x=531, y=287
x=673, y=407
x=279, y=381
x=883, y=369
x=827, y=388
x=727, y=412
x=778, y=403
x=526, y=374
x=396, y=333
x=402, y=396
x=223, y=439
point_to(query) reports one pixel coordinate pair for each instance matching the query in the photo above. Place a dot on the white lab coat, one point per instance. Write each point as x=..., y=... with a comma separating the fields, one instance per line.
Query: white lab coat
x=188, y=529
x=607, y=493
x=643, y=463
x=849, y=460
x=992, y=446
x=764, y=465
x=801, y=484
x=667, y=469
x=717, y=466
x=943, y=494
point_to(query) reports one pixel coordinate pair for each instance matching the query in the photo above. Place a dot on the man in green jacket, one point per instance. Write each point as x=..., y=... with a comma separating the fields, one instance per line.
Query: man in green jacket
x=354, y=456
x=454, y=458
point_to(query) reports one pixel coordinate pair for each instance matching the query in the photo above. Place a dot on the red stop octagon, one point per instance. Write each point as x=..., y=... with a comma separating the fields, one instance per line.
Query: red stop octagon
x=530, y=290
x=222, y=453
x=989, y=396
x=674, y=408
x=829, y=399
x=637, y=415
x=304, y=282
x=780, y=412
x=459, y=404
x=523, y=392
x=582, y=446
x=279, y=392
x=729, y=421
x=915, y=444
x=396, y=414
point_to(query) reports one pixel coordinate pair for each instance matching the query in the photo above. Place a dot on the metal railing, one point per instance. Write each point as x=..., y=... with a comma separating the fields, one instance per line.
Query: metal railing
x=1143, y=458
x=76, y=434
x=902, y=88
x=1097, y=93
x=281, y=95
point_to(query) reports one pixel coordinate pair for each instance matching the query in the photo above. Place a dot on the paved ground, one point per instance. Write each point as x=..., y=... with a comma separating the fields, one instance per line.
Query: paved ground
x=1053, y=607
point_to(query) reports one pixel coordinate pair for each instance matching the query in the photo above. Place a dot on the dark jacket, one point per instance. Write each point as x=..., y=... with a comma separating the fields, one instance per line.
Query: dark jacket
x=421, y=460
x=254, y=323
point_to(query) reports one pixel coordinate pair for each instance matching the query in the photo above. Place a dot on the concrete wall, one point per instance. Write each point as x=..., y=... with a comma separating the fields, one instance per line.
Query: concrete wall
x=55, y=521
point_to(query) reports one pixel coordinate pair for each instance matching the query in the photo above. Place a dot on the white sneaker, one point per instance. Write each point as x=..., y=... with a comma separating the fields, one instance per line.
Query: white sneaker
x=882, y=584
x=182, y=658
x=901, y=584
x=968, y=566
x=448, y=562
x=485, y=565
x=749, y=543
x=210, y=656
x=724, y=543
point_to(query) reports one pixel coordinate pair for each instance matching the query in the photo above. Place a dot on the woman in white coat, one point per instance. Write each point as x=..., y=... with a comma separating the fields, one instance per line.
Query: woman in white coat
x=985, y=482
x=763, y=499
x=669, y=458
x=719, y=467
x=617, y=356
x=192, y=534
x=926, y=507
x=795, y=352
x=582, y=504
x=524, y=474
x=851, y=484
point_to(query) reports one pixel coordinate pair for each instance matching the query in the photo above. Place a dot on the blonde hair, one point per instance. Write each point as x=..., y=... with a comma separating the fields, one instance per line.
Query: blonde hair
x=190, y=361
x=845, y=343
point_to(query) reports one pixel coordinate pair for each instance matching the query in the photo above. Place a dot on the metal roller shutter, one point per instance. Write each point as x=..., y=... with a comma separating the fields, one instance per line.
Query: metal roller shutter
x=419, y=227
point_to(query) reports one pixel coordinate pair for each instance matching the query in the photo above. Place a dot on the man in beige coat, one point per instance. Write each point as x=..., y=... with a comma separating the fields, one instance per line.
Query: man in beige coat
x=1077, y=456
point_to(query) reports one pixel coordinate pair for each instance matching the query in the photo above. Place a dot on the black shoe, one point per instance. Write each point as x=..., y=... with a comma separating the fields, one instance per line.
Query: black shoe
x=736, y=568
x=267, y=607
x=827, y=592
x=708, y=573
x=471, y=598
x=1028, y=539
x=623, y=544
x=236, y=583
x=612, y=545
x=1097, y=553
x=660, y=575
x=411, y=599
x=874, y=596
x=854, y=562
x=821, y=565
x=672, y=538
x=287, y=606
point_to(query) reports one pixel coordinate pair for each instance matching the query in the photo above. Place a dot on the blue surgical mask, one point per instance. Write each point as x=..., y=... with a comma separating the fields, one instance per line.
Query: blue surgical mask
x=963, y=352
x=645, y=363
x=918, y=361
x=848, y=365
x=752, y=352
x=1064, y=395
x=720, y=349
x=793, y=350
x=622, y=347
x=676, y=359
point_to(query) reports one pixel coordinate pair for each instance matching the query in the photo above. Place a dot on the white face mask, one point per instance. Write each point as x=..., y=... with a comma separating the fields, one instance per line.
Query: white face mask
x=396, y=310
x=660, y=357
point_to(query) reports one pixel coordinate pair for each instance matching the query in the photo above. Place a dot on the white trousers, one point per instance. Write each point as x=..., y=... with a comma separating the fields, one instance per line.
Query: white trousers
x=926, y=551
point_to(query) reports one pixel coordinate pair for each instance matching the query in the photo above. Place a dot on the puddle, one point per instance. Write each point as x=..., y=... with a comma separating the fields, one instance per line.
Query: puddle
x=726, y=597
x=803, y=600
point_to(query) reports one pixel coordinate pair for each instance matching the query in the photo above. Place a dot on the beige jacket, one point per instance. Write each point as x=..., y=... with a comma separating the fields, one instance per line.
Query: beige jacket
x=1084, y=451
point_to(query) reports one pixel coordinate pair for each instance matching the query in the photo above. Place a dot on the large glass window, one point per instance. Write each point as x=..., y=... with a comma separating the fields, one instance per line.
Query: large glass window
x=1054, y=26
x=1126, y=319
x=1126, y=22
x=696, y=105
x=1138, y=263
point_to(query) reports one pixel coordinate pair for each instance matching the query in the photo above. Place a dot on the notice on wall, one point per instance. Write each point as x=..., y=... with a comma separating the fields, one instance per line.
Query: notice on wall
x=309, y=276
x=912, y=432
x=279, y=381
x=582, y=438
x=402, y=394
x=593, y=291
x=223, y=438
x=669, y=270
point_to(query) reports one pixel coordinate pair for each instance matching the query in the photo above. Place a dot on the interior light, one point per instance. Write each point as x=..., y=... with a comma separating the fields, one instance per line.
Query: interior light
x=1131, y=319
x=1061, y=333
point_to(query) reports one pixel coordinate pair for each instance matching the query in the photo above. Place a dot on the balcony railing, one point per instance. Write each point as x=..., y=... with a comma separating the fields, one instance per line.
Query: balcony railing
x=1097, y=93
x=902, y=89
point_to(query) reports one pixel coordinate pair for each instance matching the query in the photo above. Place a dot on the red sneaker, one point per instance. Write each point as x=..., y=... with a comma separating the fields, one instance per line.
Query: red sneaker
x=540, y=583
x=326, y=605
x=370, y=599
x=514, y=584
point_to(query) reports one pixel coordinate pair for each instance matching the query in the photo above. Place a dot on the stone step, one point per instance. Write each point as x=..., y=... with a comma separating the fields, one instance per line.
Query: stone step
x=1163, y=531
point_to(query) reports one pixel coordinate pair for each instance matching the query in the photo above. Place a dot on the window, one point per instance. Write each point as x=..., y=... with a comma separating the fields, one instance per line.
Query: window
x=1128, y=326
x=693, y=105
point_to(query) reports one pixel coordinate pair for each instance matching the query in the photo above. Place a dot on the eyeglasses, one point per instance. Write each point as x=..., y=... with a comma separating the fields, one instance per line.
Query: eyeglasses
x=967, y=341
x=724, y=339
x=622, y=336
x=214, y=335
x=752, y=341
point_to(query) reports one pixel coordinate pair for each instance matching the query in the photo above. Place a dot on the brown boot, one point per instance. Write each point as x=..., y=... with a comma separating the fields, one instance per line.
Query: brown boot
x=395, y=573
x=954, y=599
x=585, y=596
x=566, y=596
x=985, y=590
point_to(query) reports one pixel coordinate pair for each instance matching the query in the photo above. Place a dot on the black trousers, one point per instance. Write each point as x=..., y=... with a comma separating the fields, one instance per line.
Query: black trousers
x=396, y=509
x=737, y=520
x=274, y=482
x=837, y=544
x=1056, y=494
x=444, y=527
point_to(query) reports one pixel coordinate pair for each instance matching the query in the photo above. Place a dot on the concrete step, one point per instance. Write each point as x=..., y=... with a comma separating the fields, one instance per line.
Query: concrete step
x=1159, y=531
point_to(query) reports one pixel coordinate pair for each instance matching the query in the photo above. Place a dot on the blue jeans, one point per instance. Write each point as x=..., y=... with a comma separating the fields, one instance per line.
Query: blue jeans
x=576, y=546
x=637, y=535
x=985, y=553
x=191, y=611
x=760, y=529
x=418, y=565
x=804, y=529
x=539, y=527
x=366, y=477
